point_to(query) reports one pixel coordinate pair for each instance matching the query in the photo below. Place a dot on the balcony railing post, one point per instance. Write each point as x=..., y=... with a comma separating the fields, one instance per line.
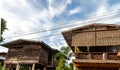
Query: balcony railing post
x=104, y=56
x=89, y=56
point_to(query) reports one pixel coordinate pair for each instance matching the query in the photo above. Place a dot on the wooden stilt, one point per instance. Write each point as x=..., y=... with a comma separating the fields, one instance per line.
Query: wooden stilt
x=33, y=67
x=74, y=67
x=18, y=66
x=30, y=68
x=45, y=68
x=3, y=68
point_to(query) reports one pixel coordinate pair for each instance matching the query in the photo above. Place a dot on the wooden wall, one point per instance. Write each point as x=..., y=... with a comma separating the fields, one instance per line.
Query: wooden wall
x=23, y=52
x=96, y=38
x=43, y=56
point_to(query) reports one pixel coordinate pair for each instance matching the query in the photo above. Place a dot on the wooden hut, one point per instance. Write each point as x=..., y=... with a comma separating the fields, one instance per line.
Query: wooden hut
x=95, y=46
x=29, y=55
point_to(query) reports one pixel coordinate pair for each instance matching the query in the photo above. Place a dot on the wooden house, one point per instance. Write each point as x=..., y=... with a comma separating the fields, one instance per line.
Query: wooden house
x=95, y=46
x=29, y=55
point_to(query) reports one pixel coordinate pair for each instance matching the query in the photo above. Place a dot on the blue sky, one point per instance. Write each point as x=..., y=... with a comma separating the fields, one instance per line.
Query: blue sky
x=30, y=16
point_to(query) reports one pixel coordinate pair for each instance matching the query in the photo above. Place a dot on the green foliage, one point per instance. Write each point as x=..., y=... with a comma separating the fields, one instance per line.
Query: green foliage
x=0, y=66
x=61, y=64
x=24, y=67
x=78, y=50
x=3, y=27
x=88, y=49
x=70, y=66
x=63, y=56
x=5, y=68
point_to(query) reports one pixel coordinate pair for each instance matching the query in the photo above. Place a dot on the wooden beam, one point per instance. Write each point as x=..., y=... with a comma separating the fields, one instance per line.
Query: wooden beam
x=105, y=65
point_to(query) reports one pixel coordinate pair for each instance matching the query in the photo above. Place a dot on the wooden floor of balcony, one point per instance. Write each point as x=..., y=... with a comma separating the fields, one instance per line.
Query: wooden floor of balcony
x=95, y=61
x=94, y=64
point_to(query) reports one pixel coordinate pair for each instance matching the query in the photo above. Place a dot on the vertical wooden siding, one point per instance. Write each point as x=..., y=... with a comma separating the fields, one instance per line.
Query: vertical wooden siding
x=96, y=38
x=83, y=39
x=108, y=38
x=24, y=52
x=43, y=56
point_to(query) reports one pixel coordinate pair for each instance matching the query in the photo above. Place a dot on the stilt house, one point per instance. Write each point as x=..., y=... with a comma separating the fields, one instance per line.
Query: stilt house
x=95, y=46
x=29, y=55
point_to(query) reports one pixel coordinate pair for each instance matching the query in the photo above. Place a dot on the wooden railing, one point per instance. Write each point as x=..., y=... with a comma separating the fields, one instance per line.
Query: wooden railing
x=97, y=56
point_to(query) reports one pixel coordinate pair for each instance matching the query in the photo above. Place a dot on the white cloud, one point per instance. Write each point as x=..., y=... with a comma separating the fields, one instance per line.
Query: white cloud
x=112, y=18
x=22, y=17
x=26, y=17
x=75, y=10
x=24, y=21
x=106, y=13
x=57, y=7
x=101, y=11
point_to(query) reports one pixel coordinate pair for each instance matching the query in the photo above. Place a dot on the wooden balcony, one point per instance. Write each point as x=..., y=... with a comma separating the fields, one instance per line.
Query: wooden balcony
x=97, y=56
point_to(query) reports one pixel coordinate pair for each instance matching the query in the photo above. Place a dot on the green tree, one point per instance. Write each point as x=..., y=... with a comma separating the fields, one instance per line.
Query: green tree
x=71, y=66
x=63, y=57
x=2, y=28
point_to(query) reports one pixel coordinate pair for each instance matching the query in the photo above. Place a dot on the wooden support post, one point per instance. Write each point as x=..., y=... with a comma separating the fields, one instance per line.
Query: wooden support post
x=33, y=67
x=18, y=66
x=3, y=68
x=74, y=67
x=75, y=49
x=89, y=55
x=30, y=68
x=44, y=68
x=104, y=56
